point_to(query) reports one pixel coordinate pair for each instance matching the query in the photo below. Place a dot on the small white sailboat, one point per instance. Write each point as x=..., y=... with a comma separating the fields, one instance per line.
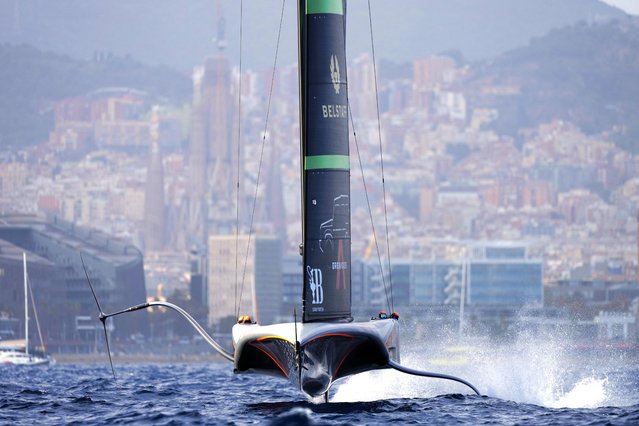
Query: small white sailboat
x=17, y=352
x=326, y=345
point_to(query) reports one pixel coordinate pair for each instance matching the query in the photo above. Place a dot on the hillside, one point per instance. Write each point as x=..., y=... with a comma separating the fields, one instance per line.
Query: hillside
x=181, y=34
x=30, y=80
x=587, y=74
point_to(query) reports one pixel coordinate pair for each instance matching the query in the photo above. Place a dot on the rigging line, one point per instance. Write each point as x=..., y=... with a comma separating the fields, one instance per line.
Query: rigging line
x=259, y=168
x=35, y=312
x=381, y=157
x=239, y=135
x=368, y=203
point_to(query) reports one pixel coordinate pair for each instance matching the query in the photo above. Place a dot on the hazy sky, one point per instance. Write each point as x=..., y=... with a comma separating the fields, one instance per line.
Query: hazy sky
x=165, y=32
x=629, y=6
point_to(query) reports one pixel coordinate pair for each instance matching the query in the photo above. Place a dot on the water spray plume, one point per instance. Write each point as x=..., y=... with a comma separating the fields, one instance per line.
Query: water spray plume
x=540, y=369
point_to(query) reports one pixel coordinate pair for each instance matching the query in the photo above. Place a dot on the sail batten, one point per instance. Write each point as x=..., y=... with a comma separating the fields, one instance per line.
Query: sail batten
x=326, y=168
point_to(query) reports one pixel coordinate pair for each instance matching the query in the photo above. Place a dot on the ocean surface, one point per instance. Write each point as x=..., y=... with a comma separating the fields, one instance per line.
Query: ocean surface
x=521, y=385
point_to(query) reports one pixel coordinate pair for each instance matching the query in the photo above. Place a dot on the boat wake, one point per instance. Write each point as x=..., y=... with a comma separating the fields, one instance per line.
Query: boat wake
x=588, y=393
x=530, y=370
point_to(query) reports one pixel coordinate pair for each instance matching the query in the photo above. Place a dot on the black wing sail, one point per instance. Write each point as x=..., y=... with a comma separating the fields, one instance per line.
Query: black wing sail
x=326, y=184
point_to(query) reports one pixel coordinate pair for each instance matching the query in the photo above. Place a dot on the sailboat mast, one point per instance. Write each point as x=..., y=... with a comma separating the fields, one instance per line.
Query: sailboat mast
x=26, y=304
x=325, y=161
x=300, y=16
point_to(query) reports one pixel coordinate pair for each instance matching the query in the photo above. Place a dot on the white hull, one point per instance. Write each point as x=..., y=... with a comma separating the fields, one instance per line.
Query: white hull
x=22, y=359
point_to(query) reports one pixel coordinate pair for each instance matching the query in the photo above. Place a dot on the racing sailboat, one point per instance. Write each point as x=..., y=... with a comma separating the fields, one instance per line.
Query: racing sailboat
x=326, y=345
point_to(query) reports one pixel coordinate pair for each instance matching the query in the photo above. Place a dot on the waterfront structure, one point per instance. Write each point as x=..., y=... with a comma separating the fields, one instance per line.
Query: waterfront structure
x=59, y=283
x=615, y=325
x=491, y=281
x=591, y=295
x=490, y=274
x=487, y=283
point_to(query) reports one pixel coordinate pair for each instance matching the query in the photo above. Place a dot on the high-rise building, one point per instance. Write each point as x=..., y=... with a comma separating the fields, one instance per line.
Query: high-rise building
x=197, y=213
x=428, y=74
x=275, y=213
x=432, y=71
x=213, y=159
x=13, y=177
x=292, y=283
x=362, y=84
x=154, y=209
x=252, y=280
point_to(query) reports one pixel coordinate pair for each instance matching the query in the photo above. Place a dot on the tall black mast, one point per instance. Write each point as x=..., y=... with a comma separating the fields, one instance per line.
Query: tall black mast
x=325, y=161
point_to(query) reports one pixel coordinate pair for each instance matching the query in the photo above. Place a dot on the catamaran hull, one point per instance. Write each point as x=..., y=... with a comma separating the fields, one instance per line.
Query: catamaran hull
x=326, y=351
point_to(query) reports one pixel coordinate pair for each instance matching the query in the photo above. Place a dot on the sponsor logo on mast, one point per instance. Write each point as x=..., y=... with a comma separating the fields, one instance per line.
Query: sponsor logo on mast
x=335, y=73
x=334, y=111
x=315, y=280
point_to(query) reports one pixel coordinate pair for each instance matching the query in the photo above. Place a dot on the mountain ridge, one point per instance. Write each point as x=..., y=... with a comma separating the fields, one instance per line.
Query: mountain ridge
x=164, y=32
x=585, y=74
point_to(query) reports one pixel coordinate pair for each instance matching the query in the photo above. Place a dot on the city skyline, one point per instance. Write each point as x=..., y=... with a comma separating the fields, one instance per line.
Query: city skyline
x=458, y=175
x=430, y=202
x=565, y=192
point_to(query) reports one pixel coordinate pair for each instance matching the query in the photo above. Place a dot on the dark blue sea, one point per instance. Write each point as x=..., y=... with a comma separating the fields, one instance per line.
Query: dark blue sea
x=522, y=385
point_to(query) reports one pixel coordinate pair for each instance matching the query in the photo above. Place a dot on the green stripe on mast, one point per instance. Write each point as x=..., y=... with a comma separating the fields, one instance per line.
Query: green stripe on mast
x=324, y=6
x=315, y=162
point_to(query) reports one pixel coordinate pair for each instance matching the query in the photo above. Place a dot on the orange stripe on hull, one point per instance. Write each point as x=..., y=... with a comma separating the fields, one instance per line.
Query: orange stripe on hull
x=330, y=335
x=267, y=352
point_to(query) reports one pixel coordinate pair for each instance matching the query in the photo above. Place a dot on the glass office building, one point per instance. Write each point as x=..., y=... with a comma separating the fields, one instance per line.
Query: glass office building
x=492, y=275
